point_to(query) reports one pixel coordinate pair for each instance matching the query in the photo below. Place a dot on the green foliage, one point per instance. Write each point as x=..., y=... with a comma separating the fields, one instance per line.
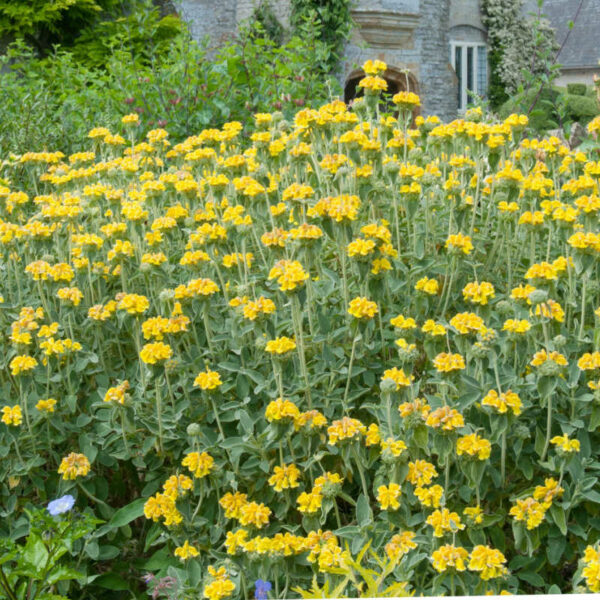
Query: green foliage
x=551, y=108
x=521, y=48
x=264, y=15
x=577, y=89
x=142, y=32
x=496, y=91
x=52, y=103
x=46, y=560
x=46, y=22
x=333, y=21
x=580, y=108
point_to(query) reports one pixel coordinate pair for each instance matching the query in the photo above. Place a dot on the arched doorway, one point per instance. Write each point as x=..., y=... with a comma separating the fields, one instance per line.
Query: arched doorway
x=397, y=80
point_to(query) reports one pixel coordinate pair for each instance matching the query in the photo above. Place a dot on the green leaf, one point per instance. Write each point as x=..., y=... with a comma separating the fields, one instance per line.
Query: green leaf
x=63, y=573
x=35, y=554
x=128, y=513
x=532, y=579
x=558, y=514
x=112, y=581
x=364, y=515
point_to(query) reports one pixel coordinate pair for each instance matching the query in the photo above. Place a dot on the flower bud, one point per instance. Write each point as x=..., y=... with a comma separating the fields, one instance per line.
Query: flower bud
x=538, y=296
x=194, y=430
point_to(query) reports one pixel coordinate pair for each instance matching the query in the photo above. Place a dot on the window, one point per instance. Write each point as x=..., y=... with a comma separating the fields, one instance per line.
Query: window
x=470, y=64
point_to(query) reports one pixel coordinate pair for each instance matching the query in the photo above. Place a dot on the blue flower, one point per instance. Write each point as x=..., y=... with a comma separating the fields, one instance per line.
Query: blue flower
x=61, y=505
x=261, y=589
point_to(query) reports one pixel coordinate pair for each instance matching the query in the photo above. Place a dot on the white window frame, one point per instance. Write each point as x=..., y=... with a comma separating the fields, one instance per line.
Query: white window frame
x=464, y=97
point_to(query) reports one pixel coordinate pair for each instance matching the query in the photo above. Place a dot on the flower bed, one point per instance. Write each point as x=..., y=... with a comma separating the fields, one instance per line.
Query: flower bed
x=347, y=355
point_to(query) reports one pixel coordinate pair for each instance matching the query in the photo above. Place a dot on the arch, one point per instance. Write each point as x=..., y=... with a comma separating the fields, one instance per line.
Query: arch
x=398, y=81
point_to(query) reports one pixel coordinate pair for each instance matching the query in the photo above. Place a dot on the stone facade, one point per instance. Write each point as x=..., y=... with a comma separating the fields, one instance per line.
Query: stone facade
x=219, y=19
x=411, y=36
x=408, y=35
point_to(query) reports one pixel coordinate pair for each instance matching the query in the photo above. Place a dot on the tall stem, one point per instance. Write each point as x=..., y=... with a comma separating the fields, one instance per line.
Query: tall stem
x=159, y=417
x=548, y=428
x=352, y=355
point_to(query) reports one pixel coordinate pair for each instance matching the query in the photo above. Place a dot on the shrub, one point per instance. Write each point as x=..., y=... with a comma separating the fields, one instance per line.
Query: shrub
x=327, y=356
x=50, y=103
x=581, y=108
x=577, y=89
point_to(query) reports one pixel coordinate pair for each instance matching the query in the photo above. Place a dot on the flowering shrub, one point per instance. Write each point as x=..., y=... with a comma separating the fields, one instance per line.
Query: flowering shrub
x=344, y=355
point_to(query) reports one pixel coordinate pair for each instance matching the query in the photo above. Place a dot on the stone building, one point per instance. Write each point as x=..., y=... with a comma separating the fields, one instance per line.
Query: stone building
x=436, y=48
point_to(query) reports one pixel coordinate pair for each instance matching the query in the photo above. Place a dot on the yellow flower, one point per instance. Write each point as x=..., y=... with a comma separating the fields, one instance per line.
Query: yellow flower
x=255, y=514
x=502, y=402
x=72, y=294
x=478, y=293
x=474, y=513
x=421, y=472
x=360, y=247
x=529, y=510
x=134, y=304
x=208, y=380
x=428, y=286
x=199, y=464
x=130, y=119
x=281, y=409
x=449, y=557
x=444, y=521
x=186, y=551
x=219, y=589
x=372, y=83
x=445, y=417
x=516, y=326
x=310, y=502
x=74, y=465
x=177, y=485
x=362, y=308
x=232, y=504
x=289, y=275
x=280, y=345
x=430, y=496
x=541, y=357
x=392, y=448
x=402, y=322
x=591, y=558
x=466, y=323
x=387, y=496
x=547, y=492
x=473, y=445
x=433, y=329
x=589, y=361
x=155, y=352
x=459, y=242
x=565, y=444
x=12, y=415
x=284, y=477
x=374, y=67
x=446, y=363
x=488, y=562
x=406, y=99
x=400, y=544
x=117, y=393
x=46, y=406
x=345, y=428
x=398, y=377
x=22, y=364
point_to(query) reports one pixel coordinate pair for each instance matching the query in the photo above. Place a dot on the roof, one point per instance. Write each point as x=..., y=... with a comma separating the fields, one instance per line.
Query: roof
x=580, y=45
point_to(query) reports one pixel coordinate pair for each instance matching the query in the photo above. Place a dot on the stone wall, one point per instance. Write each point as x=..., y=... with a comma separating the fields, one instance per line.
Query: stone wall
x=406, y=34
x=213, y=18
x=438, y=81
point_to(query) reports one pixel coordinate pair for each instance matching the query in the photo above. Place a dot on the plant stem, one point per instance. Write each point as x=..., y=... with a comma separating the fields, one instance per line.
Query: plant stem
x=548, y=428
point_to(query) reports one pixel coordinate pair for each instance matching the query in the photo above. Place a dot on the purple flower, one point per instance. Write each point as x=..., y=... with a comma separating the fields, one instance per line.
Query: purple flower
x=261, y=589
x=61, y=505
